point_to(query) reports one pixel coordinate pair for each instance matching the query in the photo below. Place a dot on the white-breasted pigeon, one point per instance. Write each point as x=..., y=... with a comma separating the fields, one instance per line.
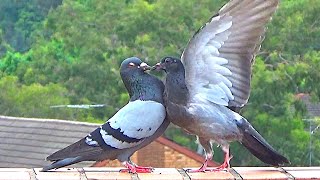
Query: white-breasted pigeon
x=134, y=126
x=206, y=88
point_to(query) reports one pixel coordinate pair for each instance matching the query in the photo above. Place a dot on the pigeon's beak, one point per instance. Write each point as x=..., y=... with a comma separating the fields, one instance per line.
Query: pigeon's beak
x=158, y=67
x=144, y=66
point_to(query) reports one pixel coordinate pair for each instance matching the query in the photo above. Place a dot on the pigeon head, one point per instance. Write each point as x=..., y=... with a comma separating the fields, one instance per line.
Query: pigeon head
x=169, y=64
x=140, y=84
x=132, y=71
x=132, y=66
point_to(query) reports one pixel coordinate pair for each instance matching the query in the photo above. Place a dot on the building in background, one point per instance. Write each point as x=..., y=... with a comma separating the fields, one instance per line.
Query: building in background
x=26, y=142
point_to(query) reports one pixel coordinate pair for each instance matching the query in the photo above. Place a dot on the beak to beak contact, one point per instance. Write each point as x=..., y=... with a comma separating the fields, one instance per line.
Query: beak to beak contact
x=145, y=66
x=157, y=67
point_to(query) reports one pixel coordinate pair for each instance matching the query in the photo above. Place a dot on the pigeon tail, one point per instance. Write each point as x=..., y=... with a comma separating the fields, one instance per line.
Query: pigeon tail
x=77, y=149
x=258, y=146
x=62, y=163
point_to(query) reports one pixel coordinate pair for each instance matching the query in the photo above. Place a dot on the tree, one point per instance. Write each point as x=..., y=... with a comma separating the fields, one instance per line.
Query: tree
x=31, y=101
x=20, y=18
x=74, y=51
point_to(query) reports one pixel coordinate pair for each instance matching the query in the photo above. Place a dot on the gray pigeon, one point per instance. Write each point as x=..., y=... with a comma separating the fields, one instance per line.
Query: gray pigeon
x=205, y=90
x=133, y=127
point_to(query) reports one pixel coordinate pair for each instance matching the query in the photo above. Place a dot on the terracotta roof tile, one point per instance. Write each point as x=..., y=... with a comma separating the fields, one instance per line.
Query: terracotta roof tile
x=161, y=174
x=304, y=172
x=105, y=173
x=211, y=175
x=254, y=173
x=260, y=173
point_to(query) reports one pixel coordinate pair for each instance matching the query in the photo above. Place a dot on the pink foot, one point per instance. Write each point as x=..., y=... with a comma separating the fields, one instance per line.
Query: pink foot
x=223, y=167
x=205, y=170
x=227, y=157
x=201, y=169
x=143, y=167
x=136, y=169
x=226, y=164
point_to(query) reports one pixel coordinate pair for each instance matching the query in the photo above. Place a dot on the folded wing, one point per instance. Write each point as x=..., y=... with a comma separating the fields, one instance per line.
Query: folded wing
x=128, y=128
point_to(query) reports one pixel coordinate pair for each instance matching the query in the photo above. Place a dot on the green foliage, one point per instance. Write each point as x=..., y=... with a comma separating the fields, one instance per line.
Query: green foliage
x=52, y=54
x=10, y=61
x=20, y=18
x=295, y=28
x=31, y=101
x=113, y=31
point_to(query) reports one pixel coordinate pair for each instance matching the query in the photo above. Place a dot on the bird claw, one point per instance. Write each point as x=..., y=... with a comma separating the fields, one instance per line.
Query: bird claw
x=143, y=167
x=226, y=164
x=195, y=170
x=204, y=168
x=201, y=169
x=144, y=170
x=136, y=169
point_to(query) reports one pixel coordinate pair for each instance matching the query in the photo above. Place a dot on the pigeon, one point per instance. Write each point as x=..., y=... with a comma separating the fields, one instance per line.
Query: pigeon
x=210, y=83
x=133, y=127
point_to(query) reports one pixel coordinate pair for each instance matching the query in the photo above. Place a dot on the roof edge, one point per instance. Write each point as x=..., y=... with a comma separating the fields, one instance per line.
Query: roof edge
x=48, y=120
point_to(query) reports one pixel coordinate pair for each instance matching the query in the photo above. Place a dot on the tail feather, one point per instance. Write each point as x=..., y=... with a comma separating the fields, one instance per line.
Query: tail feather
x=76, y=152
x=62, y=163
x=77, y=149
x=258, y=146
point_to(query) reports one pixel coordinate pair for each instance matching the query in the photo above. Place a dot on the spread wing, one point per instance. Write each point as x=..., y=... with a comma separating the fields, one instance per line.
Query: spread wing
x=219, y=57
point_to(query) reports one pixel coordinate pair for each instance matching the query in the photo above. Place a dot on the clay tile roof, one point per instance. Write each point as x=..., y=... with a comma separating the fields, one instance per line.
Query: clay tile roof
x=253, y=173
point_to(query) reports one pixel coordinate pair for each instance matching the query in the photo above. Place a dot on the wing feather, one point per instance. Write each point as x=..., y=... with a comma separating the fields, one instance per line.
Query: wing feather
x=219, y=56
x=132, y=124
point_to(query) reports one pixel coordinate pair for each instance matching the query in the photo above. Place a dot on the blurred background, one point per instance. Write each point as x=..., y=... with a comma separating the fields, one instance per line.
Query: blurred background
x=61, y=52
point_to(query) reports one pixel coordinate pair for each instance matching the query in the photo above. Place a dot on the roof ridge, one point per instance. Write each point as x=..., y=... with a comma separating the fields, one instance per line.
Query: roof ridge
x=47, y=120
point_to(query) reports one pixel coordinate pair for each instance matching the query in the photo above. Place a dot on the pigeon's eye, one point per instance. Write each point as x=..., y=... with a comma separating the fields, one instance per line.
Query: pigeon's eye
x=167, y=60
x=131, y=64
